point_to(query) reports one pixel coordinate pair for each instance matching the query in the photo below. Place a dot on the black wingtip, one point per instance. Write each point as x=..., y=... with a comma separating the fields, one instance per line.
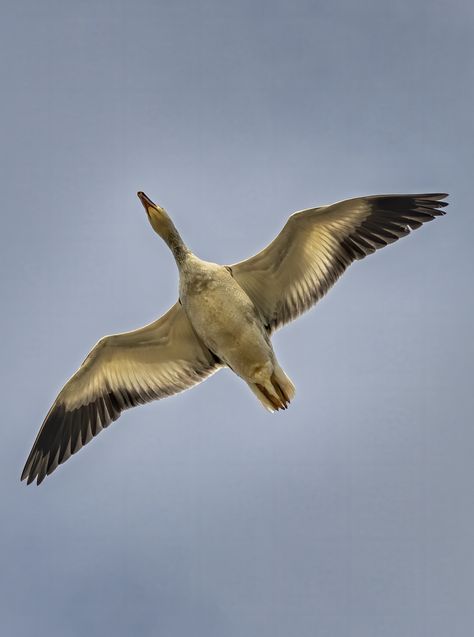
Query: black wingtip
x=433, y=195
x=31, y=468
x=26, y=473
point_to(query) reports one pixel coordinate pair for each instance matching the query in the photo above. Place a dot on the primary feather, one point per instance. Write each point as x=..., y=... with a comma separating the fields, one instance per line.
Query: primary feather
x=225, y=316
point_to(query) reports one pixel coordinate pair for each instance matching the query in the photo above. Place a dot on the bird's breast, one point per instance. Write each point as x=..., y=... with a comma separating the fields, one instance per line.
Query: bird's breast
x=221, y=313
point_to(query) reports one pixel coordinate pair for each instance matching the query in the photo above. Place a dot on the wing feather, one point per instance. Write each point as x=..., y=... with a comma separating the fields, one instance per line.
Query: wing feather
x=120, y=372
x=317, y=245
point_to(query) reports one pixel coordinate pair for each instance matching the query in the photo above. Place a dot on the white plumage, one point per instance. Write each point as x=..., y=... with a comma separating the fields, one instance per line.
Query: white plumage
x=224, y=317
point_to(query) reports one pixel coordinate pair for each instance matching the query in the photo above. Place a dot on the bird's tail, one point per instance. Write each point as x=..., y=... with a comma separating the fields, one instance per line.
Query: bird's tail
x=277, y=393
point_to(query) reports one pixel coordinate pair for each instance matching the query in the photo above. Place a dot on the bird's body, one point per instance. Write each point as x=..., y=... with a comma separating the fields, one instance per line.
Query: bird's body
x=228, y=323
x=225, y=316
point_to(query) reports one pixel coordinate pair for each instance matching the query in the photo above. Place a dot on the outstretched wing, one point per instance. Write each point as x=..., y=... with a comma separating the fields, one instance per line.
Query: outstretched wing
x=317, y=245
x=120, y=372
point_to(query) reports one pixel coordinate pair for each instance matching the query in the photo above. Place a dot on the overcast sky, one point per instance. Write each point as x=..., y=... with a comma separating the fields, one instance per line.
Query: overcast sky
x=349, y=515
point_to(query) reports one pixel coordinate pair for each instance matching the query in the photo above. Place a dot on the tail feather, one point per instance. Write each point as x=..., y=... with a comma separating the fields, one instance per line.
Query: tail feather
x=275, y=399
x=277, y=393
x=262, y=396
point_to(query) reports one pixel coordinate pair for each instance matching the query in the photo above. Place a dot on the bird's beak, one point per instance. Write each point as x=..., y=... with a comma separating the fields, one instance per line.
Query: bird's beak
x=147, y=203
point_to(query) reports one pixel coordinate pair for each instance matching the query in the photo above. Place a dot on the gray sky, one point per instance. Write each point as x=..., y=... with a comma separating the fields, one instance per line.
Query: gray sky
x=350, y=514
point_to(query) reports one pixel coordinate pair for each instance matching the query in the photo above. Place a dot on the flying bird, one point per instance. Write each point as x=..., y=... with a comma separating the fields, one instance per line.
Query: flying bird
x=225, y=316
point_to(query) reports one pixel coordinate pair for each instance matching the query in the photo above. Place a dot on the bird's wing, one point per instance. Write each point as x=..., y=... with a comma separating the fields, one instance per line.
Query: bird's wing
x=317, y=245
x=121, y=371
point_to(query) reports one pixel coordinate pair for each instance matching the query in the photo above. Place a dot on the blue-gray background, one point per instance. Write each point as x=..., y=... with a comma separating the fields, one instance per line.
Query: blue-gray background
x=350, y=514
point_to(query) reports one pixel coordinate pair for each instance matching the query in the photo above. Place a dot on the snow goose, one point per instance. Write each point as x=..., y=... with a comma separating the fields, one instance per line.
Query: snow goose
x=225, y=316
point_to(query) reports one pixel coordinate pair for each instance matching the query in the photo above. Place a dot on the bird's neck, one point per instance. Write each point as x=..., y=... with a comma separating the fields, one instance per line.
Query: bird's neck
x=176, y=244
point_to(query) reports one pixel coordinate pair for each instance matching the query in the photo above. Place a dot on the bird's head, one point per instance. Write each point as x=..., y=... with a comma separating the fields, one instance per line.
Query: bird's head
x=157, y=216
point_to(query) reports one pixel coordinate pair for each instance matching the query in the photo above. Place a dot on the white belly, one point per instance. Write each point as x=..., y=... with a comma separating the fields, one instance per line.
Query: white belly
x=226, y=321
